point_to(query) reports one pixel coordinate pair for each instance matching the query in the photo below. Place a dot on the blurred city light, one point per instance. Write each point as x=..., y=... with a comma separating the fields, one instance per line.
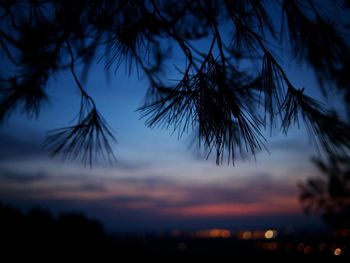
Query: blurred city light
x=337, y=251
x=269, y=234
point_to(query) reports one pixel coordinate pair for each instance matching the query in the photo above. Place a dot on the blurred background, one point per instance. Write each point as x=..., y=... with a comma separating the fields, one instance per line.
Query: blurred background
x=165, y=199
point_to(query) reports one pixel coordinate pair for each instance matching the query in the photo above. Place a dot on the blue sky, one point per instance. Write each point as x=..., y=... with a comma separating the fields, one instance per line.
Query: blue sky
x=158, y=182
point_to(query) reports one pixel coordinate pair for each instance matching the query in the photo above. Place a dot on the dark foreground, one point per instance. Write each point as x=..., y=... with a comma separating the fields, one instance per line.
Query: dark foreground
x=39, y=236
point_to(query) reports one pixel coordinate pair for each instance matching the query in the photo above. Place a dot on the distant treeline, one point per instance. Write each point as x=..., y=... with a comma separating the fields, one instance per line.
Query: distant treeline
x=37, y=234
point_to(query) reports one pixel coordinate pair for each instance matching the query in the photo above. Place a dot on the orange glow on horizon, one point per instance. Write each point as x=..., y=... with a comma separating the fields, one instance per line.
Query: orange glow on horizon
x=229, y=210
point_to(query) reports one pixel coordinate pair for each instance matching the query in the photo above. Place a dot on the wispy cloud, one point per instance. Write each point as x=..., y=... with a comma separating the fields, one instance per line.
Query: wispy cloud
x=167, y=197
x=90, y=187
x=131, y=191
x=291, y=145
x=25, y=150
x=21, y=177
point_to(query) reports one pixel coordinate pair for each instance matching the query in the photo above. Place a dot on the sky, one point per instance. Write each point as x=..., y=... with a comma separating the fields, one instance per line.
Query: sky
x=159, y=182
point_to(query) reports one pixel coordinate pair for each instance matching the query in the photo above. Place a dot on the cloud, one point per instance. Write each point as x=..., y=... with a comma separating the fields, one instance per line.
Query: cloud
x=158, y=193
x=150, y=197
x=15, y=148
x=291, y=145
x=92, y=187
x=130, y=165
x=21, y=177
x=167, y=198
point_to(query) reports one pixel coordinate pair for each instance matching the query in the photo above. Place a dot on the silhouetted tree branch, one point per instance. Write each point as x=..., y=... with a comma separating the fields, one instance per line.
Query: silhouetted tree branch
x=228, y=107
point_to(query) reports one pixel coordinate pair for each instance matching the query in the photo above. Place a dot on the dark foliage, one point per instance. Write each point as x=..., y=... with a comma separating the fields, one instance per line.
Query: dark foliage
x=228, y=107
x=329, y=194
x=39, y=236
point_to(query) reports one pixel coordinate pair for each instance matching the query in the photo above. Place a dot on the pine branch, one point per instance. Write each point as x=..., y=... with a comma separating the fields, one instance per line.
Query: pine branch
x=87, y=140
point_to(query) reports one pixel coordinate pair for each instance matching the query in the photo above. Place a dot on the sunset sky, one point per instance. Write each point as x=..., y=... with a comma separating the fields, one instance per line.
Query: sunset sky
x=159, y=182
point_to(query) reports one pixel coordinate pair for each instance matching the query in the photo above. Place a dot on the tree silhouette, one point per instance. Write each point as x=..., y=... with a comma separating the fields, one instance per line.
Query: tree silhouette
x=227, y=93
x=329, y=194
x=37, y=234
